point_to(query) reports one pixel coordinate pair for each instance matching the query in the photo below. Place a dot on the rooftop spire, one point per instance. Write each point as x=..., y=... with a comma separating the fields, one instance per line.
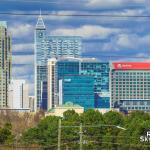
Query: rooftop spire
x=40, y=23
x=40, y=13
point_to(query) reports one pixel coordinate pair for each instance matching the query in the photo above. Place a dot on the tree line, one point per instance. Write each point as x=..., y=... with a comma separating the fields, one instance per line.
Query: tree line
x=99, y=131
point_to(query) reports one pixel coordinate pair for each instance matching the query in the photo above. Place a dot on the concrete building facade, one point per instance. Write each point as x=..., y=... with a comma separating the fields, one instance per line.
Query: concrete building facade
x=5, y=63
x=130, y=86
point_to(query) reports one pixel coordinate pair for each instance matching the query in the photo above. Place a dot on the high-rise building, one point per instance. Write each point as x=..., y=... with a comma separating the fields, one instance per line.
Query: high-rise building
x=100, y=72
x=50, y=47
x=81, y=66
x=64, y=46
x=130, y=86
x=5, y=63
x=57, y=69
x=52, y=83
x=40, y=60
x=18, y=95
x=78, y=89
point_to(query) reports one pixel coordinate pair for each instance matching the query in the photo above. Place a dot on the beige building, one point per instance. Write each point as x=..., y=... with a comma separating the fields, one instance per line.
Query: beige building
x=31, y=102
x=59, y=110
x=5, y=64
x=103, y=110
x=51, y=84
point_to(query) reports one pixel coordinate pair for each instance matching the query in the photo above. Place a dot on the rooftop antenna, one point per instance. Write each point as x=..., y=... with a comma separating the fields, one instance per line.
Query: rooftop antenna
x=40, y=12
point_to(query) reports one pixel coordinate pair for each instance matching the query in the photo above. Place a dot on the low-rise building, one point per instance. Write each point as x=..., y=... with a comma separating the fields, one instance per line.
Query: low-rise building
x=59, y=110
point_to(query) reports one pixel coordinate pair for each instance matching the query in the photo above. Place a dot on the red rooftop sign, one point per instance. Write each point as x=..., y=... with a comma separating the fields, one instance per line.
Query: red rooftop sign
x=131, y=65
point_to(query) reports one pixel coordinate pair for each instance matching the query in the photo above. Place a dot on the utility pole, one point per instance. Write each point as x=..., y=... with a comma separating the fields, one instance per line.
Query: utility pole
x=59, y=134
x=81, y=136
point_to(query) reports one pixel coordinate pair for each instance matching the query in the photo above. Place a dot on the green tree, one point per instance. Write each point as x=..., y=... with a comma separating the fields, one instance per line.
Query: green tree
x=70, y=134
x=94, y=132
x=44, y=135
x=6, y=136
x=111, y=133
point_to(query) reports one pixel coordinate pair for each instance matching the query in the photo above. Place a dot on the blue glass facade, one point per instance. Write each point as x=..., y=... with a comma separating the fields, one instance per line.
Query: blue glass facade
x=102, y=101
x=44, y=96
x=41, y=77
x=67, y=68
x=78, y=89
x=98, y=70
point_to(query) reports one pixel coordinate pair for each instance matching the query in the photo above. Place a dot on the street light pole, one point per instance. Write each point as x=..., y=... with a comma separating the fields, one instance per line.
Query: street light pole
x=81, y=136
x=59, y=134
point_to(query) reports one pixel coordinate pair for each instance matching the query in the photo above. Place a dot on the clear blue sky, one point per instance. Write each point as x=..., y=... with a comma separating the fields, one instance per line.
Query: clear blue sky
x=101, y=36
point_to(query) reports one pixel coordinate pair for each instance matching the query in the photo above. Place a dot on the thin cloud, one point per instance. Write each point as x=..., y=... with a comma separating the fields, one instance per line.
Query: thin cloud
x=23, y=47
x=87, y=31
x=114, y=3
x=21, y=30
x=18, y=71
x=23, y=59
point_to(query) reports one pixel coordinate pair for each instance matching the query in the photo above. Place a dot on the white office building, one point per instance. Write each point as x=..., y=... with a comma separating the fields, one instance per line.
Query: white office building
x=18, y=95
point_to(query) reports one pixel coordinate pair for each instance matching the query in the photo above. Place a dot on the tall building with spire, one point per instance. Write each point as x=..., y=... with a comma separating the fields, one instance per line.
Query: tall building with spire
x=5, y=63
x=46, y=47
x=40, y=60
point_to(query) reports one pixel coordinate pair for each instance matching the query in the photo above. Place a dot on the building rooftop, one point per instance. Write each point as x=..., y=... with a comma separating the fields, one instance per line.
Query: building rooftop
x=66, y=105
x=70, y=104
x=77, y=59
x=64, y=37
x=40, y=23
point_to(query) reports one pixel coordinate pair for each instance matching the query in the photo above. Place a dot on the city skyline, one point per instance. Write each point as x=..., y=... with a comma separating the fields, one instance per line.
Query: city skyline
x=75, y=74
x=105, y=36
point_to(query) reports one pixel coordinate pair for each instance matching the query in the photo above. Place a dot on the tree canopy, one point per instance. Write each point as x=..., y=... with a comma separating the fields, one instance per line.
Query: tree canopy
x=96, y=134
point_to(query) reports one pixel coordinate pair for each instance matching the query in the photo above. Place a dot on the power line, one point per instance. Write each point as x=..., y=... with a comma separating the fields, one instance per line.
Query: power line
x=75, y=15
x=46, y=2
x=113, y=136
x=66, y=2
x=124, y=144
x=120, y=56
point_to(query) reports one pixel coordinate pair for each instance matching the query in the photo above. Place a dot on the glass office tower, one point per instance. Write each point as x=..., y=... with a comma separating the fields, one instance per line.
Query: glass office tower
x=83, y=66
x=5, y=63
x=57, y=69
x=67, y=67
x=40, y=60
x=100, y=72
x=47, y=47
x=78, y=89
